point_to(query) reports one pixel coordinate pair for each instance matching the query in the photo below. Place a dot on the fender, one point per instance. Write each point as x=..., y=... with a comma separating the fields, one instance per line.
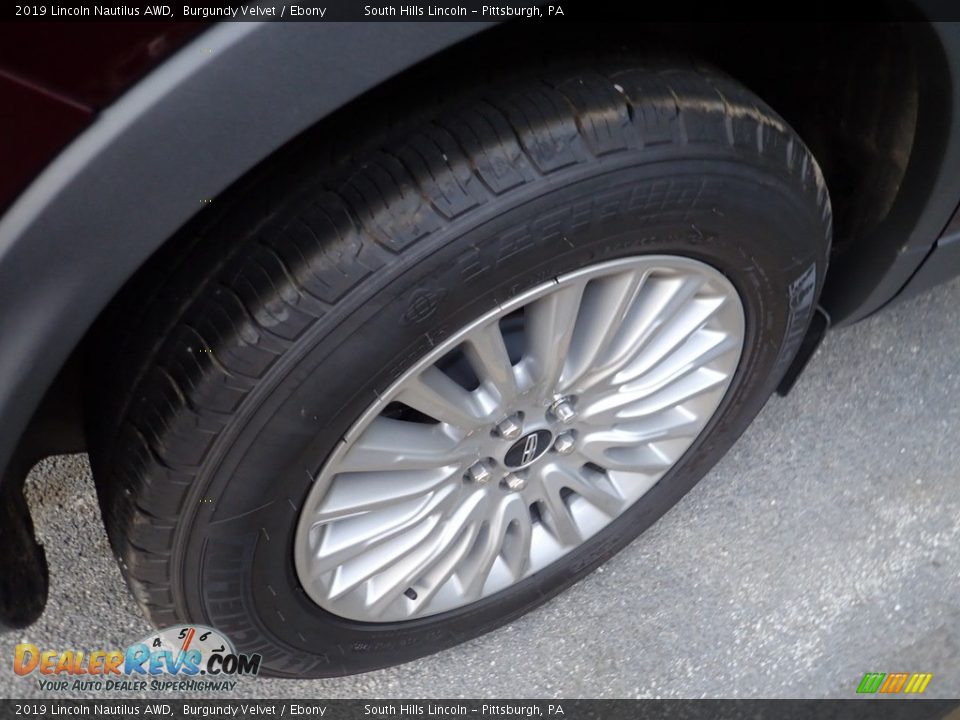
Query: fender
x=146, y=165
x=142, y=170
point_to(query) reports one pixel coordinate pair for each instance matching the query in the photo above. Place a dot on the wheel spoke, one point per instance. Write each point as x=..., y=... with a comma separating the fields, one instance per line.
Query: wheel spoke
x=557, y=518
x=515, y=545
x=590, y=485
x=701, y=349
x=643, y=318
x=353, y=536
x=623, y=450
x=670, y=424
x=443, y=565
x=487, y=354
x=439, y=554
x=357, y=493
x=358, y=570
x=437, y=396
x=630, y=404
x=671, y=335
x=550, y=322
x=399, y=445
x=604, y=307
x=511, y=522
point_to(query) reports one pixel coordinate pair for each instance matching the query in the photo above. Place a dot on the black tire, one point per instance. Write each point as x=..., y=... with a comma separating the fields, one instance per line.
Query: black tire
x=275, y=331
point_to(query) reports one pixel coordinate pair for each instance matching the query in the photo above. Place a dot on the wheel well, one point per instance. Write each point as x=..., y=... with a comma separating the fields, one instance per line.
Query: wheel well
x=853, y=92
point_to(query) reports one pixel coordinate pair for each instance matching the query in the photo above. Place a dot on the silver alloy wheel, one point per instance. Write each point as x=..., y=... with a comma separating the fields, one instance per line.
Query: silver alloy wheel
x=518, y=438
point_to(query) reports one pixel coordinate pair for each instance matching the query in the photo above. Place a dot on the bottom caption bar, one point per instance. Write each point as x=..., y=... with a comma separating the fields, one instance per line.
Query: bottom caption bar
x=566, y=709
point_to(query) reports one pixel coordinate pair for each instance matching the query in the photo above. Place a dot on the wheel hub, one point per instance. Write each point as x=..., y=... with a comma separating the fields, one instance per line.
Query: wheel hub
x=528, y=449
x=519, y=438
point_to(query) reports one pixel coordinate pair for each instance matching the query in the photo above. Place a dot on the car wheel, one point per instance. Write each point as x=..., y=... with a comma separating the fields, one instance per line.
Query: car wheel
x=426, y=387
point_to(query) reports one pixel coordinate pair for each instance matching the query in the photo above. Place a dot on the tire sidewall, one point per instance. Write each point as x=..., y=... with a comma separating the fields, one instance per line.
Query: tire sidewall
x=233, y=557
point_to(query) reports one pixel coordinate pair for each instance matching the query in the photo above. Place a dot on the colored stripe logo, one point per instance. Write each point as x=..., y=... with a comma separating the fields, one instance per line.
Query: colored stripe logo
x=891, y=683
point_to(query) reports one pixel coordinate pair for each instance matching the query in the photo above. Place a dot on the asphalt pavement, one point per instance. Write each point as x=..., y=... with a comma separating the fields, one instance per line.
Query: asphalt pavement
x=825, y=545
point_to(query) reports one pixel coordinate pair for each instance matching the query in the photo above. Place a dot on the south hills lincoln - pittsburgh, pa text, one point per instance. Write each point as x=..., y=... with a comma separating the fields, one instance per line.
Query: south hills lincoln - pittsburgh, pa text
x=459, y=11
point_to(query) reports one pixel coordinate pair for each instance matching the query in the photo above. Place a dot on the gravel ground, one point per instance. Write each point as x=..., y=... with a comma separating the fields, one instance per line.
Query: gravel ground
x=825, y=545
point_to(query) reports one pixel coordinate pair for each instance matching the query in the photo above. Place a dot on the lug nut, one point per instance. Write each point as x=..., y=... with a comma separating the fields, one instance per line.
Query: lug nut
x=515, y=481
x=563, y=410
x=564, y=444
x=510, y=429
x=479, y=472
